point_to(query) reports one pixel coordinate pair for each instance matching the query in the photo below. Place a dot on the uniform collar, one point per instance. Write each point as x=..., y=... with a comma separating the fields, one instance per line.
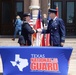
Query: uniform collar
x=54, y=18
x=25, y=22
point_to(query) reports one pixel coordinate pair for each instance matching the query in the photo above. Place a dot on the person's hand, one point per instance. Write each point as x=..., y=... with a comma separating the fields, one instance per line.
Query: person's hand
x=62, y=44
x=39, y=30
x=34, y=30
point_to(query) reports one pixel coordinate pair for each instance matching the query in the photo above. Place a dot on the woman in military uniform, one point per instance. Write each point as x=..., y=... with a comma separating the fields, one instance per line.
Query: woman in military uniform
x=26, y=32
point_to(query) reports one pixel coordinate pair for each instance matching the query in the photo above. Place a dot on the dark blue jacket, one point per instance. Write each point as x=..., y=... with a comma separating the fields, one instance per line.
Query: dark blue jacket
x=56, y=29
x=26, y=33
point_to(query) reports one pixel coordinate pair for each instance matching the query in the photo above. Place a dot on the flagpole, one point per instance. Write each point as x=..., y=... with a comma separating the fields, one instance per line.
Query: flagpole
x=31, y=26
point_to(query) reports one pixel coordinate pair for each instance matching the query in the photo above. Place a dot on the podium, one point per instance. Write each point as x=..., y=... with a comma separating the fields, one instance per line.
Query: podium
x=35, y=60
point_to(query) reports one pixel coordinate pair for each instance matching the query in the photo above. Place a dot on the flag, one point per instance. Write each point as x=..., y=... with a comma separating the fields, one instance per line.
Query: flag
x=47, y=36
x=39, y=39
x=57, y=14
x=31, y=20
x=47, y=40
x=38, y=22
x=37, y=26
x=42, y=40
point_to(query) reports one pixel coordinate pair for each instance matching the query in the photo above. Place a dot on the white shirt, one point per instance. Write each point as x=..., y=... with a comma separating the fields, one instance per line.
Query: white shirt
x=54, y=18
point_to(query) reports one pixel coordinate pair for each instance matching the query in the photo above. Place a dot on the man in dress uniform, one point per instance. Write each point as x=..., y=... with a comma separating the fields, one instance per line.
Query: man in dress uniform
x=56, y=28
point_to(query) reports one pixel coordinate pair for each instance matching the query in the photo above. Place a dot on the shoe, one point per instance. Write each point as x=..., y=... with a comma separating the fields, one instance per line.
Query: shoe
x=13, y=39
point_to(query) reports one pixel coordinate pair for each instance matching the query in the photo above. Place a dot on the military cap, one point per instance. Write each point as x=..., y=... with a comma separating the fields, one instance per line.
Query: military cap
x=52, y=11
x=26, y=14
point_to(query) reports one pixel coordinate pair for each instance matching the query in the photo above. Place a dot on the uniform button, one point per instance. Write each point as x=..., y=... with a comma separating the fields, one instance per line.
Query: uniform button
x=55, y=28
x=51, y=33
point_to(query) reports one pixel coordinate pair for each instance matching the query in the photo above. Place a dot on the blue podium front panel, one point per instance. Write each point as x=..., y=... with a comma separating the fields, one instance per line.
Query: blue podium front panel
x=35, y=60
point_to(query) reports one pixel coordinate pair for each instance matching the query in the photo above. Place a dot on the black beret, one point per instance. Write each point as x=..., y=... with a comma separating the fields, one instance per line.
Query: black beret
x=26, y=14
x=52, y=11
